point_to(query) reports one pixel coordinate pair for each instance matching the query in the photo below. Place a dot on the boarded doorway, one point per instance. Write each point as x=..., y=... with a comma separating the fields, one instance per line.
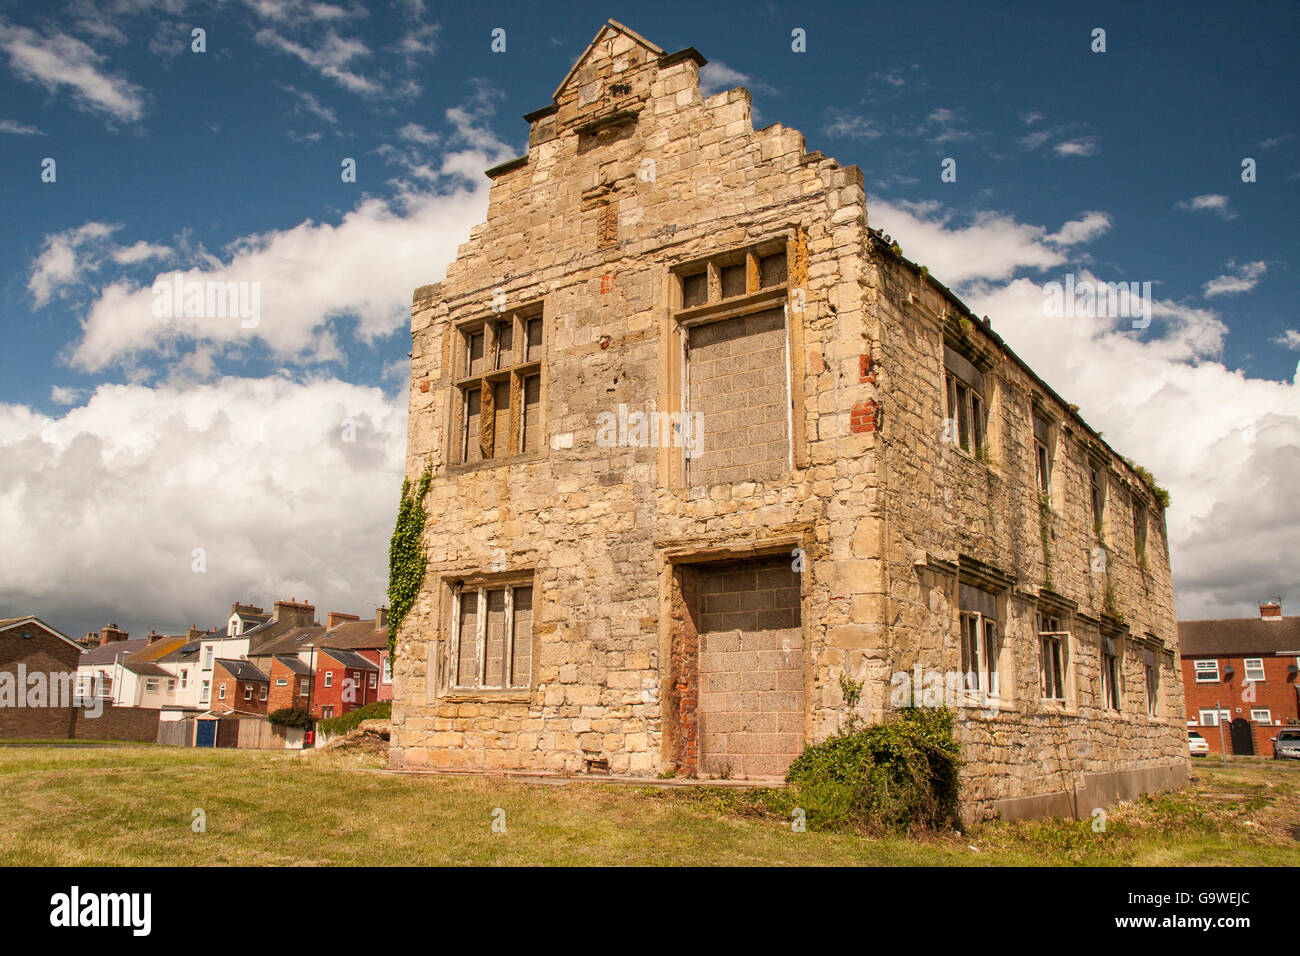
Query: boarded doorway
x=750, y=667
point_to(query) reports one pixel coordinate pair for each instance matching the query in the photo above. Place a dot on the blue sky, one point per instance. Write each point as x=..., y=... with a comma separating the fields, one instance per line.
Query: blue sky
x=139, y=446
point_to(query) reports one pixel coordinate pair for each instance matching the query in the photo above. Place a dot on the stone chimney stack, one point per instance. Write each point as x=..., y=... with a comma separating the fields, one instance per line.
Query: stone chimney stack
x=295, y=614
x=194, y=633
x=338, y=617
x=381, y=618
x=110, y=633
x=1271, y=610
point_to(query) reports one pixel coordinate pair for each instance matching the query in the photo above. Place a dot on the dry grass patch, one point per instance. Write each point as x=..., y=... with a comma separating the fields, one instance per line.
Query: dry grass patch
x=132, y=806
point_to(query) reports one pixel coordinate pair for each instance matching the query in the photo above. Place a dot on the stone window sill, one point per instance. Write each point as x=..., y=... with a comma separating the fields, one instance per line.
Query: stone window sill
x=512, y=696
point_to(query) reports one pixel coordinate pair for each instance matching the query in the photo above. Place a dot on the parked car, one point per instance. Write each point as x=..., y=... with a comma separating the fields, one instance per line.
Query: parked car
x=1287, y=743
x=1196, y=745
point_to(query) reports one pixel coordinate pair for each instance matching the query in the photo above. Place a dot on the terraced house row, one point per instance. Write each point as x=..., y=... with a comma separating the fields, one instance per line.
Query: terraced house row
x=823, y=466
x=260, y=663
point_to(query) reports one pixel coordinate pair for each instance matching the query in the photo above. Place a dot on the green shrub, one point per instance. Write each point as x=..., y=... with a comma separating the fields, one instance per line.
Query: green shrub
x=338, y=726
x=290, y=717
x=899, y=776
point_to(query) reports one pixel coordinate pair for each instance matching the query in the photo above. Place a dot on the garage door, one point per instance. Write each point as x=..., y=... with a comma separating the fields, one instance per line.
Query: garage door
x=751, y=698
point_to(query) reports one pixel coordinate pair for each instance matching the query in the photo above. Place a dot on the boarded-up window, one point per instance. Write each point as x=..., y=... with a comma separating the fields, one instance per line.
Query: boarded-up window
x=505, y=345
x=531, y=419
x=490, y=426
x=467, y=658
x=534, y=350
x=695, y=290
x=771, y=270
x=737, y=373
x=522, y=641
x=474, y=364
x=470, y=450
x=493, y=641
x=501, y=396
x=495, y=648
x=733, y=280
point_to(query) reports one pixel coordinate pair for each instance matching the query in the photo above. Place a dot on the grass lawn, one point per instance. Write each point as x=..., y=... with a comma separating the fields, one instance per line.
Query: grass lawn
x=132, y=805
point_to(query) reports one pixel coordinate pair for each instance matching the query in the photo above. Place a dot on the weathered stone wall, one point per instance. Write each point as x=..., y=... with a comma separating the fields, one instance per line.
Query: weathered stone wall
x=633, y=178
x=601, y=527
x=951, y=514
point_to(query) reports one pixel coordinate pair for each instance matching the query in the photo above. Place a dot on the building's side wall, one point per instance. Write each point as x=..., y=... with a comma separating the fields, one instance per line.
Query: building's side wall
x=949, y=514
x=290, y=695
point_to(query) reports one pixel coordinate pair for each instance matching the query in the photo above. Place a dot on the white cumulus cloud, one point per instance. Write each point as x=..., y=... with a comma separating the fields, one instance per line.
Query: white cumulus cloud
x=276, y=488
x=1227, y=446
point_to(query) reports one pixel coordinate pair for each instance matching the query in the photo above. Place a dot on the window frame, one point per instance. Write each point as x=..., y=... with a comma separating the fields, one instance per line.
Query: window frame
x=716, y=307
x=966, y=404
x=482, y=588
x=1198, y=670
x=1141, y=520
x=1219, y=715
x=1151, y=674
x=979, y=633
x=1097, y=496
x=513, y=370
x=1043, y=456
x=1268, y=716
x=1110, y=664
x=1246, y=669
x=1051, y=636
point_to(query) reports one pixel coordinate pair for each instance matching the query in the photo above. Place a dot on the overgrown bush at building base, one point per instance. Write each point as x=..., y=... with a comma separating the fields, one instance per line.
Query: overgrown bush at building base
x=899, y=776
x=338, y=726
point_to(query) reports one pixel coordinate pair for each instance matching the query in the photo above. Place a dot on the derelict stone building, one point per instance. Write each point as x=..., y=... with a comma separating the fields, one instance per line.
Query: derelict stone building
x=702, y=442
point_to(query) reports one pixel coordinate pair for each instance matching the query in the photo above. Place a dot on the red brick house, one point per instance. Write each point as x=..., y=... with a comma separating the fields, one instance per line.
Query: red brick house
x=32, y=652
x=370, y=640
x=29, y=640
x=290, y=683
x=1241, y=673
x=238, y=688
x=344, y=681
